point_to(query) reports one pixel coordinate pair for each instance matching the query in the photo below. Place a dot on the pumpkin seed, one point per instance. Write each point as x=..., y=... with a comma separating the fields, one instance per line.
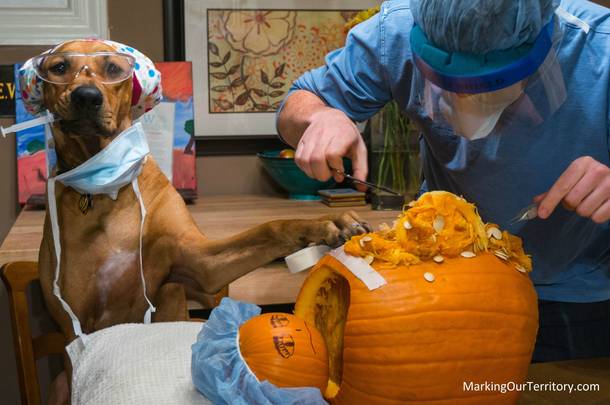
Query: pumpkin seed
x=365, y=239
x=412, y=204
x=467, y=254
x=495, y=233
x=438, y=258
x=407, y=225
x=501, y=255
x=383, y=227
x=429, y=277
x=520, y=268
x=369, y=259
x=438, y=224
x=433, y=237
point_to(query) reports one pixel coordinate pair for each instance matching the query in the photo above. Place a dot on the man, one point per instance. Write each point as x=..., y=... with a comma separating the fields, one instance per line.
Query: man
x=512, y=100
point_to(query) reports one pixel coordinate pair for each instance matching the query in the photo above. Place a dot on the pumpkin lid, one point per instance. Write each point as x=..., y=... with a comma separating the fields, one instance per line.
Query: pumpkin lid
x=218, y=368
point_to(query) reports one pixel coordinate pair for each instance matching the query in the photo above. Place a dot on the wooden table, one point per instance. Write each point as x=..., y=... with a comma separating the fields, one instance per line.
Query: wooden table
x=273, y=284
x=589, y=371
x=217, y=217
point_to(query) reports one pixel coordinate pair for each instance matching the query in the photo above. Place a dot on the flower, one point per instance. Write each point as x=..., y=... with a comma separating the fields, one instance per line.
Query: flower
x=259, y=32
x=361, y=17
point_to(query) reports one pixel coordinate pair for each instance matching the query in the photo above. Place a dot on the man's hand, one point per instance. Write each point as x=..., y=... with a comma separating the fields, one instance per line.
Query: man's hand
x=330, y=136
x=584, y=187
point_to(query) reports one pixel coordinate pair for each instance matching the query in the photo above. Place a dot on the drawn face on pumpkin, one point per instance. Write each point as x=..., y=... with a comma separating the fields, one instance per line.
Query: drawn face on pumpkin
x=284, y=350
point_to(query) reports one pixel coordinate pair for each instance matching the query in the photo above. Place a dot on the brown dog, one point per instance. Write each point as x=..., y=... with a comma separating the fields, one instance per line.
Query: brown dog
x=100, y=276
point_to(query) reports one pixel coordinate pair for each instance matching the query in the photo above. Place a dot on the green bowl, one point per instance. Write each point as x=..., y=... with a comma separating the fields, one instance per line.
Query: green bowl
x=288, y=175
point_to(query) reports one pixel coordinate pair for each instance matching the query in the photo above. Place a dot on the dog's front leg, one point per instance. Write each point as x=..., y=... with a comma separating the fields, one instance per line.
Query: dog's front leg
x=215, y=263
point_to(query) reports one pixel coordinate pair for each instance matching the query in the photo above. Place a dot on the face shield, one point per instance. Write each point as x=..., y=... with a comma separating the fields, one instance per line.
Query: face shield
x=475, y=96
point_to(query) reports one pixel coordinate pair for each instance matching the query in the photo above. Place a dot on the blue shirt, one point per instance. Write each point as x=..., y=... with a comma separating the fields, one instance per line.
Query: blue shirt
x=571, y=254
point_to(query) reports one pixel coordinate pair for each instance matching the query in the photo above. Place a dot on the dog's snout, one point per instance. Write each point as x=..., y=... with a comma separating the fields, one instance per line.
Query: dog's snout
x=86, y=98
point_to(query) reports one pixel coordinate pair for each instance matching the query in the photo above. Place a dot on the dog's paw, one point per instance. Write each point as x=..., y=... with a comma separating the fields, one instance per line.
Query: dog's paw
x=340, y=228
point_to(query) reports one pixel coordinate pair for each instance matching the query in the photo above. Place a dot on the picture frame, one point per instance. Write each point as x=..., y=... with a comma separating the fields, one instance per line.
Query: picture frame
x=246, y=53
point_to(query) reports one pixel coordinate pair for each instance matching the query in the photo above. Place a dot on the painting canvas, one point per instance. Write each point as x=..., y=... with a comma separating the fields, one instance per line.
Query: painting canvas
x=175, y=113
x=173, y=147
x=31, y=156
x=246, y=56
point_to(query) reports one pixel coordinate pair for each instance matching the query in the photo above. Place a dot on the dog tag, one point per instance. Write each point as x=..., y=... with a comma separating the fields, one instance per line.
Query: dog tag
x=85, y=202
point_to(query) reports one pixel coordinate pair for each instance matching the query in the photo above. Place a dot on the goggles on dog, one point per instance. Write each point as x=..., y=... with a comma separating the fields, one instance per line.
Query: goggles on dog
x=63, y=68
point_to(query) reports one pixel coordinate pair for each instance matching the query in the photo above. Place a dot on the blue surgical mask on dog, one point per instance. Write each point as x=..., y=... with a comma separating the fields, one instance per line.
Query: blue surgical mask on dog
x=115, y=166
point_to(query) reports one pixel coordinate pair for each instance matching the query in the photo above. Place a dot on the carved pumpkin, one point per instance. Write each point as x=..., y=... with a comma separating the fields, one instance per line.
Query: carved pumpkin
x=458, y=307
x=284, y=350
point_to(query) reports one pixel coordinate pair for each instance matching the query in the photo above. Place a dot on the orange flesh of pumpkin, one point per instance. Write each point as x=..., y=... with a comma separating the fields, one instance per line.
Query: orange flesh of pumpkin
x=328, y=314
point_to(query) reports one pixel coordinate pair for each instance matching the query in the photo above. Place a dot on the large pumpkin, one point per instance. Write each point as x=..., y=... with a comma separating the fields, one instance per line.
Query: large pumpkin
x=284, y=350
x=458, y=308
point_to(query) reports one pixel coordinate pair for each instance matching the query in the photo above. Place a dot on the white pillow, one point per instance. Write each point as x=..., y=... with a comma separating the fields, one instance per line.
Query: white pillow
x=136, y=364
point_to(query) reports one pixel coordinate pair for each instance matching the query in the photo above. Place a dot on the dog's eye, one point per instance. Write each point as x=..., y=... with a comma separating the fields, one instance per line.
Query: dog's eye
x=59, y=68
x=113, y=70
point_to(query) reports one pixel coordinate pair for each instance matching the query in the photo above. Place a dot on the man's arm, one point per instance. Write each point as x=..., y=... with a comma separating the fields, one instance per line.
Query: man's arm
x=296, y=115
x=322, y=136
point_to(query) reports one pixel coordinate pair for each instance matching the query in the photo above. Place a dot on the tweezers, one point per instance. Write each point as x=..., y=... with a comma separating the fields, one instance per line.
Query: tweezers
x=366, y=183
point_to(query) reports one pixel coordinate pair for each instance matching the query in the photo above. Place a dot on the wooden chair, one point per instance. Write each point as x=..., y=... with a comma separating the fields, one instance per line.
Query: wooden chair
x=16, y=277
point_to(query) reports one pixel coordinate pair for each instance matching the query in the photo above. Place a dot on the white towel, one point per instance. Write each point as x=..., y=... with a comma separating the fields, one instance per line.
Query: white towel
x=136, y=364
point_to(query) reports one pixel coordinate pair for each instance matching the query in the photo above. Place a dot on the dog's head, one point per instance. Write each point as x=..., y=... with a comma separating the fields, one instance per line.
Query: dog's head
x=88, y=86
x=94, y=88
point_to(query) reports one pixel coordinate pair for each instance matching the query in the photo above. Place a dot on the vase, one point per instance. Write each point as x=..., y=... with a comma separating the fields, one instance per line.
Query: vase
x=393, y=158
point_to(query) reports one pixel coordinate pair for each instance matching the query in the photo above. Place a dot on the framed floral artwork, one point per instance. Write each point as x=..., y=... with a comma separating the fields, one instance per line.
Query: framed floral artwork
x=247, y=53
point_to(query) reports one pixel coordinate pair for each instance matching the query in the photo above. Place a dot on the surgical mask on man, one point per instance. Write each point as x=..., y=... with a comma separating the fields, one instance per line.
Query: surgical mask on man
x=474, y=116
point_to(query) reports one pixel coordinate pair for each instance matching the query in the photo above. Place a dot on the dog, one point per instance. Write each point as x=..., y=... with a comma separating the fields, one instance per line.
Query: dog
x=100, y=273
